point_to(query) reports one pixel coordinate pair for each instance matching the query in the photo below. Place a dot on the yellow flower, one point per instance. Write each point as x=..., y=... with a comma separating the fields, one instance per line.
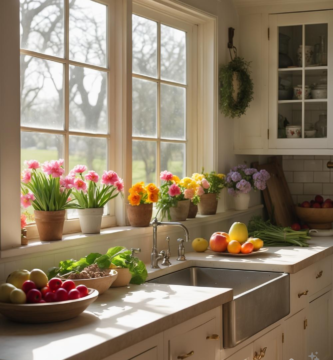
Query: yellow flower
x=152, y=197
x=198, y=177
x=175, y=179
x=134, y=199
x=152, y=188
x=138, y=188
x=221, y=176
x=185, y=182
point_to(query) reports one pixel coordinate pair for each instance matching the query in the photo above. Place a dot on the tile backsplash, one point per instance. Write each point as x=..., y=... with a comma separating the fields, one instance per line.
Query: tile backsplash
x=308, y=176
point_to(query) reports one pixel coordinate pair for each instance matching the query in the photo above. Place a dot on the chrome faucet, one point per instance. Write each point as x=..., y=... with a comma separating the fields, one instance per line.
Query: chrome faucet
x=155, y=256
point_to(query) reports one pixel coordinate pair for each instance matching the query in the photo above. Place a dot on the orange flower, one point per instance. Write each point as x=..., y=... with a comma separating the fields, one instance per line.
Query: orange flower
x=152, y=197
x=152, y=188
x=138, y=188
x=175, y=179
x=134, y=199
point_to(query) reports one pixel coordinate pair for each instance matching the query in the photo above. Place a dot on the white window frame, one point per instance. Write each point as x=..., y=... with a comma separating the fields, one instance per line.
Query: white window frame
x=205, y=81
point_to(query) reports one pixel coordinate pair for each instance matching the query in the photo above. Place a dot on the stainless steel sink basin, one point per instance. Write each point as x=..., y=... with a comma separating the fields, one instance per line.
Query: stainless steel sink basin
x=260, y=298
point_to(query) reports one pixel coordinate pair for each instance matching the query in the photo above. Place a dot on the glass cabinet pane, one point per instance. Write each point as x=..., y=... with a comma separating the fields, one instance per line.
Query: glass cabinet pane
x=316, y=81
x=315, y=120
x=290, y=40
x=290, y=82
x=290, y=121
x=315, y=45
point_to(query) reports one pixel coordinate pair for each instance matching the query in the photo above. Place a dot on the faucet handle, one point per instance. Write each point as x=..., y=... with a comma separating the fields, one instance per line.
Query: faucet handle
x=135, y=251
x=181, y=250
x=180, y=240
x=167, y=239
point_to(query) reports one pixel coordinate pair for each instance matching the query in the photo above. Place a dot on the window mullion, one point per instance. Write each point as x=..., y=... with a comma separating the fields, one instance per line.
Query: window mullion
x=66, y=87
x=158, y=145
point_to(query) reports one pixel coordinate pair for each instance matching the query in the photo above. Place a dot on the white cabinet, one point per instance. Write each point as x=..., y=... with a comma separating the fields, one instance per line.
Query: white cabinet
x=319, y=340
x=270, y=344
x=244, y=354
x=151, y=354
x=294, y=336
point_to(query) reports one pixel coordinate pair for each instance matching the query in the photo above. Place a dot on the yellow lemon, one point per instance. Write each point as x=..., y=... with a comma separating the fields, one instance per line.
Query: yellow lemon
x=200, y=244
x=256, y=242
x=238, y=231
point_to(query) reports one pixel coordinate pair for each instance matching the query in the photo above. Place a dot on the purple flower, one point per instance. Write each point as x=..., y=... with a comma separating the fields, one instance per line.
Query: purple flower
x=250, y=171
x=260, y=184
x=231, y=191
x=244, y=186
x=239, y=167
x=265, y=174
x=236, y=176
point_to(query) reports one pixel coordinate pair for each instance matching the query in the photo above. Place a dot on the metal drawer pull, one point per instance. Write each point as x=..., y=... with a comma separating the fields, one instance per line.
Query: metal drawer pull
x=213, y=337
x=186, y=356
x=303, y=293
x=319, y=275
x=261, y=354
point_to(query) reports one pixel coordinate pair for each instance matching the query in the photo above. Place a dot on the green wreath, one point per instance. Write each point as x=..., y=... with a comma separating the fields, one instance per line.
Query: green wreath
x=234, y=103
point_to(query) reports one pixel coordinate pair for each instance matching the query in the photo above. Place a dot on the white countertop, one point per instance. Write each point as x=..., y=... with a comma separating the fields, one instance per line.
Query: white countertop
x=119, y=318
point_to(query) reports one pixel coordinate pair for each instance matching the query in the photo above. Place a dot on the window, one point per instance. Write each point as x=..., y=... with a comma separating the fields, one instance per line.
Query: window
x=160, y=96
x=65, y=82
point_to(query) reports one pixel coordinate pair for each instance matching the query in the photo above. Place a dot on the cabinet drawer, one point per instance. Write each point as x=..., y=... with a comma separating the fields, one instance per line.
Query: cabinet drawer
x=319, y=275
x=298, y=286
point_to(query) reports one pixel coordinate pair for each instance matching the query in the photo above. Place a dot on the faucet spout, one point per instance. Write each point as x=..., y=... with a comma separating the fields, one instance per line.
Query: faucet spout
x=187, y=235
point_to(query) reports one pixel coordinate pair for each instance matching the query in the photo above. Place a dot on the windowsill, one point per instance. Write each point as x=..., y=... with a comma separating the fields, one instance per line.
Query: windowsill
x=121, y=232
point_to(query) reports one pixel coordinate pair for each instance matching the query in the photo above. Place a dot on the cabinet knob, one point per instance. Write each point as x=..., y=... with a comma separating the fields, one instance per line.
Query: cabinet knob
x=261, y=354
x=320, y=274
x=186, y=355
x=213, y=337
x=303, y=293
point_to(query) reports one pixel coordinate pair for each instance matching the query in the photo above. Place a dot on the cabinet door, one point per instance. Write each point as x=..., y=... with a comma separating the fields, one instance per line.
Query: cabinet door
x=300, y=58
x=320, y=327
x=195, y=345
x=294, y=336
x=272, y=342
x=151, y=354
x=244, y=354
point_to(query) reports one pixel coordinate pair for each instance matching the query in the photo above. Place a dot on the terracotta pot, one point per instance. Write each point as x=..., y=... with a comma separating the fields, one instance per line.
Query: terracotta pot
x=50, y=224
x=180, y=212
x=192, y=213
x=140, y=215
x=208, y=204
x=91, y=220
x=241, y=201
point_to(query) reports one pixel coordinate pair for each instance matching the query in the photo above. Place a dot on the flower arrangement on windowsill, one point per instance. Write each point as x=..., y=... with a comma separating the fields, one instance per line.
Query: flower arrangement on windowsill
x=141, y=200
x=241, y=180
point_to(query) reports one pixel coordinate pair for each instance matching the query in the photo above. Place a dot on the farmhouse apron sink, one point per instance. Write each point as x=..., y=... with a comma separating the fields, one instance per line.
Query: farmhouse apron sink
x=260, y=298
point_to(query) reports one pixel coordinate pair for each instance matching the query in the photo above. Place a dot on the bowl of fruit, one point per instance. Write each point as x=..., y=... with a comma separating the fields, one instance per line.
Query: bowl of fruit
x=29, y=297
x=317, y=213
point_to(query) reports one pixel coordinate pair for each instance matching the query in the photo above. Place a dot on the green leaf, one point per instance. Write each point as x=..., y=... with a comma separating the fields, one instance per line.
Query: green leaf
x=92, y=257
x=103, y=262
x=114, y=250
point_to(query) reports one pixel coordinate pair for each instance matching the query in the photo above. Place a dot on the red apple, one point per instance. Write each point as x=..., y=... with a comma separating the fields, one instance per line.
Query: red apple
x=74, y=294
x=296, y=227
x=45, y=290
x=55, y=284
x=34, y=296
x=218, y=242
x=49, y=297
x=61, y=295
x=319, y=199
x=316, y=205
x=68, y=285
x=42, y=301
x=305, y=204
x=305, y=227
x=327, y=205
x=28, y=285
x=83, y=290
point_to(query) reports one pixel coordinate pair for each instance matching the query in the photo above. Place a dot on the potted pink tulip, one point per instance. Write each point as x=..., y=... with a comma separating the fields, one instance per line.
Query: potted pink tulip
x=91, y=196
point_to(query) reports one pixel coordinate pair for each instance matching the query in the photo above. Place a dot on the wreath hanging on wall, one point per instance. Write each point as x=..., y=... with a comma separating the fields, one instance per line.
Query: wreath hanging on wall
x=236, y=87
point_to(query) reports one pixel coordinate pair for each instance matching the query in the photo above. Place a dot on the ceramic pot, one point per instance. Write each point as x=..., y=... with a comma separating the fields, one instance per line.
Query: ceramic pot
x=192, y=213
x=50, y=224
x=123, y=278
x=241, y=201
x=140, y=215
x=293, y=131
x=90, y=220
x=208, y=204
x=180, y=212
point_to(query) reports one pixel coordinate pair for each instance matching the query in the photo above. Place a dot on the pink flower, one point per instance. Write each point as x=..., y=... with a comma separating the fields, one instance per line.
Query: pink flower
x=27, y=199
x=26, y=176
x=200, y=191
x=109, y=178
x=166, y=175
x=23, y=221
x=92, y=176
x=174, y=190
x=61, y=162
x=53, y=168
x=67, y=182
x=79, y=184
x=189, y=193
x=119, y=185
x=205, y=184
x=79, y=169
x=32, y=164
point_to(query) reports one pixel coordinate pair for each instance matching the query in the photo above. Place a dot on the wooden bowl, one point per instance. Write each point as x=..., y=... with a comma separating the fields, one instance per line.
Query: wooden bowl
x=316, y=218
x=47, y=312
x=123, y=279
x=99, y=284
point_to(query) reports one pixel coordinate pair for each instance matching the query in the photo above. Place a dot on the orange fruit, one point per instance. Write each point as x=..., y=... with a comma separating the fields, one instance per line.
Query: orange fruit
x=247, y=248
x=234, y=247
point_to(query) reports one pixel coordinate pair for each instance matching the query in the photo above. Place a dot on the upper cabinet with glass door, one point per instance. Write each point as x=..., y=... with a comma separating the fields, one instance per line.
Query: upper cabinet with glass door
x=300, y=80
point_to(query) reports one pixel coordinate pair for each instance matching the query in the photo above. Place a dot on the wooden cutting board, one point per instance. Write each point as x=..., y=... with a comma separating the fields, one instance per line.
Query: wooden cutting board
x=277, y=197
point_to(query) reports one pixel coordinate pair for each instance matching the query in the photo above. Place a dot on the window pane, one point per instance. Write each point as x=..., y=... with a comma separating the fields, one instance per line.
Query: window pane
x=173, y=54
x=42, y=94
x=89, y=151
x=144, y=108
x=87, y=32
x=173, y=112
x=173, y=158
x=42, y=26
x=143, y=161
x=144, y=46
x=87, y=100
